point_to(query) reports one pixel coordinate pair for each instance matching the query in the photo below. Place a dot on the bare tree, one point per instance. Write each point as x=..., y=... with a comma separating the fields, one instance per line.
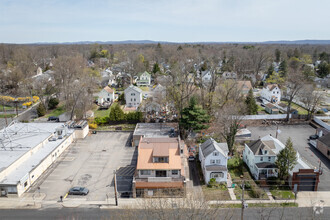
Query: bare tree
x=311, y=99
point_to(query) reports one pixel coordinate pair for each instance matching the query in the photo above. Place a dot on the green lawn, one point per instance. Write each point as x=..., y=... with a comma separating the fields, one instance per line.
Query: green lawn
x=251, y=205
x=6, y=107
x=125, y=127
x=220, y=193
x=102, y=113
x=300, y=109
x=56, y=112
x=144, y=88
x=7, y=115
x=260, y=108
x=282, y=194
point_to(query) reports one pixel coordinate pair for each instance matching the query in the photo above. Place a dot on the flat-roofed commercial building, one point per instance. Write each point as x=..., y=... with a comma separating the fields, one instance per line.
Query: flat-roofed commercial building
x=28, y=149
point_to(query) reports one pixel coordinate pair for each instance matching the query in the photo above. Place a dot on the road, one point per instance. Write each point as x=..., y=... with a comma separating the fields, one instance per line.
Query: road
x=23, y=116
x=96, y=213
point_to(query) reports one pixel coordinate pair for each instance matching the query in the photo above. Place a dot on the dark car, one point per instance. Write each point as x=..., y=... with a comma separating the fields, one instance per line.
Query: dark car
x=125, y=195
x=78, y=191
x=313, y=137
x=53, y=118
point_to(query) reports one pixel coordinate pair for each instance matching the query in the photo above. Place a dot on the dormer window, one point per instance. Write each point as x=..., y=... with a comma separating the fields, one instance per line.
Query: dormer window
x=265, y=152
x=216, y=153
x=160, y=159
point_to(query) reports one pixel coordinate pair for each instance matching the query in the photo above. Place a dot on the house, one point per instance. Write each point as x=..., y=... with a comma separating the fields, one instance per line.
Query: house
x=206, y=76
x=133, y=96
x=244, y=86
x=260, y=157
x=213, y=157
x=144, y=79
x=323, y=145
x=271, y=109
x=106, y=95
x=159, y=169
x=271, y=93
x=229, y=75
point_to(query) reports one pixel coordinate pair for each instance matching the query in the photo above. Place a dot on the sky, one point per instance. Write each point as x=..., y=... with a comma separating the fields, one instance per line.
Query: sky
x=31, y=21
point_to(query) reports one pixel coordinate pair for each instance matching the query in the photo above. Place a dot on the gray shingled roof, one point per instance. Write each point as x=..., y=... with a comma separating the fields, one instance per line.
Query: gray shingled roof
x=216, y=168
x=211, y=145
x=134, y=88
x=258, y=145
x=266, y=165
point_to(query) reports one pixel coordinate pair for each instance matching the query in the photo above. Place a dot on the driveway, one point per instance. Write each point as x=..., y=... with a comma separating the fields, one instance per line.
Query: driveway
x=299, y=135
x=91, y=163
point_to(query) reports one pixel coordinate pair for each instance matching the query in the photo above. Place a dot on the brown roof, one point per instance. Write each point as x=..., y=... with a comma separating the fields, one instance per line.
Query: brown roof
x=259, y=145
x=270, y=105
x=325, y=140
x=150, y=147
x=157, y=185
x=244, y=85
x=283, y=105
x=108, y=89
x=272, y=86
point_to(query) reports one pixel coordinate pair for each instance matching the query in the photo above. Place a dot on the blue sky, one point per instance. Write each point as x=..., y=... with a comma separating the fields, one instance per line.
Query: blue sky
x=28, y=21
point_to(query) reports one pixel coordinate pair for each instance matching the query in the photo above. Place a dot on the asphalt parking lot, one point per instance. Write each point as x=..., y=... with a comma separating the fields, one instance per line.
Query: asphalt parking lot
x=299, y=135
x=91, y=163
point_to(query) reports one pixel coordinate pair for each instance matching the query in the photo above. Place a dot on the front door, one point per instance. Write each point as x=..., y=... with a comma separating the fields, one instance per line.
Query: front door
x=160, y=173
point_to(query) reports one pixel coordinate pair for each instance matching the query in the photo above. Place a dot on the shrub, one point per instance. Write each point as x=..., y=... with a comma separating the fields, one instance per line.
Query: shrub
x=53, y=102
x=92, y=125
x=255, y=192
x=212, y=182
x=101, y=120
x=41, y=111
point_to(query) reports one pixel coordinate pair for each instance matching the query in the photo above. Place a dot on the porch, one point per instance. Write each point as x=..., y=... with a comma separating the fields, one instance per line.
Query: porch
x=266, y=170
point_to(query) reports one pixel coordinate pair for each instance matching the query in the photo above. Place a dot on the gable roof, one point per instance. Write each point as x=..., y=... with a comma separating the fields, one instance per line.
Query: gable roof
x=211, y=145
x=257, y=146
x=145, y=72
x=134, y=88
x=108, y=89
x=271, y=86
x=244, y=85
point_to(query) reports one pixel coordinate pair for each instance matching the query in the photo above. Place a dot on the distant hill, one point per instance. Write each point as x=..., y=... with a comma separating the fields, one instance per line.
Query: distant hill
x=314, y=42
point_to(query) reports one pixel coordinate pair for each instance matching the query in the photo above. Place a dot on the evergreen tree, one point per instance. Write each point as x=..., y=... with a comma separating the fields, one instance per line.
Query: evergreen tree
x=53, y=102
x=323, y=69
x=286, y=159
x=156, y=68
x=194, y=117
x=252, y=107
x=116, y=113
x=283, y=68
x=270, y=70
x=277, y=55
x=41, y=110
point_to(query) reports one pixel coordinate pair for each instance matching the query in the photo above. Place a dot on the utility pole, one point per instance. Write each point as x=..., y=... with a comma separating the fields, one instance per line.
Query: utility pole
x=242, y=213
x=4, y=109
x=276, y=130
x=115, y=187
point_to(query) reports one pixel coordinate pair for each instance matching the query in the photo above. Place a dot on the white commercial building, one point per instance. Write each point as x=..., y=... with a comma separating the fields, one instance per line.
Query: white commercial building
x=28, y=149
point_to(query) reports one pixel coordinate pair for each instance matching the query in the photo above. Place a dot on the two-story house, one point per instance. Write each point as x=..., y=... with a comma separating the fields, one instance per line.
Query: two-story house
x=144, y=79
x=133, y=96
x=106, y=95
x=159, y=169
x=213, y=157
x=271, y=93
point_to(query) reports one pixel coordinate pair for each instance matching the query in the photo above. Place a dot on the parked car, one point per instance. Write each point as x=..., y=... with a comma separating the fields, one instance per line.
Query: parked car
x=191, y=158
x=313, y=137
x=53, y=118
x=125, y=195
x=78, y=191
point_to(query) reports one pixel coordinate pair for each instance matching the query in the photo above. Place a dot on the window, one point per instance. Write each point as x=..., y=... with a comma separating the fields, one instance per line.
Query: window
x=212, y=161
x=217, y=175
x=217, y=161
x=160, y=159
x=266, y=151
x=131, y=100
x=134, y=99
x=25, y=184
x=175, y=172
x=132, y=94
x=269, y=159
x=261, y=159
x=145, y=172
x=215, y=153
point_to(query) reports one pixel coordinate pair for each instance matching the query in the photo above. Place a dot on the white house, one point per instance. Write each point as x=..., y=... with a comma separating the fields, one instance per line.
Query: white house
x=144, y=79
x=206, y=76
x=106, y=95
x=133, y=96
x=260, y=157
x=213, y=157
x=271, y=93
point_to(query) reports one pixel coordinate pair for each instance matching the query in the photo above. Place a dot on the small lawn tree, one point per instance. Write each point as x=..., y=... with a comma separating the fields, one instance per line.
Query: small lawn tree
x=286, y=159
x=41, y=110
x=194, y=117
x=252, y=107
x=116, y=113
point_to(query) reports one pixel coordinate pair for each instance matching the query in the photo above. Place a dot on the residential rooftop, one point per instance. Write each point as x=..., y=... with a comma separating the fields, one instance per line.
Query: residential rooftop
x=156, y=129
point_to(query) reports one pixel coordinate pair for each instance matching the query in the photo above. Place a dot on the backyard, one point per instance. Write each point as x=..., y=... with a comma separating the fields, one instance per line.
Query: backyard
x=301, y=110
x=217, y=192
